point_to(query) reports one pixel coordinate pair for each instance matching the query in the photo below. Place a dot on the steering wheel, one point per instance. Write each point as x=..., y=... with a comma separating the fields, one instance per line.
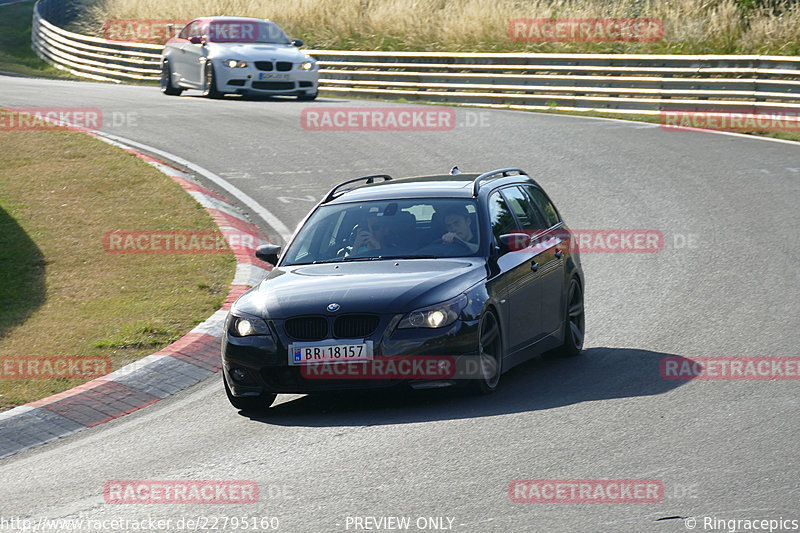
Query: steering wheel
x=461, y=244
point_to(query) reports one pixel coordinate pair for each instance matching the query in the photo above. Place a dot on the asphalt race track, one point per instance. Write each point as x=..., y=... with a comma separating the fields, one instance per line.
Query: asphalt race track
x=725, y=284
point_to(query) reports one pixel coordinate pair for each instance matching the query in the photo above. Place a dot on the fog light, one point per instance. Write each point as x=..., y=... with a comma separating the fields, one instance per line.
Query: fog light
x=238, y=374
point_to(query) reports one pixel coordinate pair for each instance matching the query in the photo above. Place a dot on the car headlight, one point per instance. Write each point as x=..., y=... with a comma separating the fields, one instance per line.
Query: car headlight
x=246, y=326
x=435, y=316
x=234, y=63
x=307, y=65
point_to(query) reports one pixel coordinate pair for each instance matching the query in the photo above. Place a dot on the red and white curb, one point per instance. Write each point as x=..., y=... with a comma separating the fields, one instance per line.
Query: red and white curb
x=178, y=366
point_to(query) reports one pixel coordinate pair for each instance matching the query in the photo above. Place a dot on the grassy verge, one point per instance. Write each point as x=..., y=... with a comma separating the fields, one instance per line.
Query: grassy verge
x=654, y=119
x=15, y=43
x=690, y=26
x=62, y=294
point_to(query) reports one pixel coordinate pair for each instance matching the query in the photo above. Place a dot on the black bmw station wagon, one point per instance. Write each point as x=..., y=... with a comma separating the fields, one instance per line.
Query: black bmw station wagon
x=431, y=269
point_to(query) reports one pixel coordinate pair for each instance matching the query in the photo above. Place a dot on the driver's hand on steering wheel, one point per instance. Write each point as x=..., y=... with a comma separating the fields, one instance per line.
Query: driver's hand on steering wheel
x=449, y=237
x=365, y=239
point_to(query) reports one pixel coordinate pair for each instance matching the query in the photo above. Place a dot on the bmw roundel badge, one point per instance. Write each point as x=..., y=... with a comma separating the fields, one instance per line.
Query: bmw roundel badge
x=333, y=307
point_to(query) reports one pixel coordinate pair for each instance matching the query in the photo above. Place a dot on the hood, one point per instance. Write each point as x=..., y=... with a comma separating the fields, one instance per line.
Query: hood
x=383, y=287
x=256, y=52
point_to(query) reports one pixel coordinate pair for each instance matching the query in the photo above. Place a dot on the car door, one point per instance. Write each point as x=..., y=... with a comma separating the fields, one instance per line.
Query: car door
x=193, y=55
x=552, y=245
x=525, y=303
x=177, y=55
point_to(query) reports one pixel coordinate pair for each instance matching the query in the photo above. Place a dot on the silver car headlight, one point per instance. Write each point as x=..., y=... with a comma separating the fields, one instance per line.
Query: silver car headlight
x=435, y=316
x=308, y=65
x=234, y=63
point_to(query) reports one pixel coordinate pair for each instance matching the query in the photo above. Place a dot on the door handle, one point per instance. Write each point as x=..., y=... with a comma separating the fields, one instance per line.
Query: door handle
x=559, y=254
x=534, y=266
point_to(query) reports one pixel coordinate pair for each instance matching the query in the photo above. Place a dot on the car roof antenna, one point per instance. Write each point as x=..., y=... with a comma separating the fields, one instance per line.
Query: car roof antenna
x=454, y=171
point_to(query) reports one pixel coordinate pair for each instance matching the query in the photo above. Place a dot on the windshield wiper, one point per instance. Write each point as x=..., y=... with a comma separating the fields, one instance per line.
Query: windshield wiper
x=366, y=258
x=408, y=257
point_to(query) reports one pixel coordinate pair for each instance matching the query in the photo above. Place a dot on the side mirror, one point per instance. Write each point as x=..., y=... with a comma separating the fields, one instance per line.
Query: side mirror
x=514, y=242
x=297, y=42
x=196, y=39
x=268, y=253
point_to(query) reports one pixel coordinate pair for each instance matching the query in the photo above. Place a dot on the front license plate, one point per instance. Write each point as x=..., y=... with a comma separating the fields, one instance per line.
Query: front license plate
x=305, y=353
x=268, y=76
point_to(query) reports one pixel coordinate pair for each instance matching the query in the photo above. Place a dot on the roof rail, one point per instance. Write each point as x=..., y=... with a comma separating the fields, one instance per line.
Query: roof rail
x=476, y=185
x=369, y=179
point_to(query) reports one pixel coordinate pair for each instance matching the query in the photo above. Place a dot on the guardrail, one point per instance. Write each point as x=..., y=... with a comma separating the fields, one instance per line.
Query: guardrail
x=643, y=84
x=622, y=83
x=90, y=57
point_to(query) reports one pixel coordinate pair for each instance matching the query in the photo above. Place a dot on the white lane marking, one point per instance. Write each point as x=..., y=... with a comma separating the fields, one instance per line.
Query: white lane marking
x=237, y=193
x=290, y=199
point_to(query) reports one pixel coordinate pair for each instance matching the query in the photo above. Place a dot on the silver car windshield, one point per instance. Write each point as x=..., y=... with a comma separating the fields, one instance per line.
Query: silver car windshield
x=245, y=31
x=414, y=228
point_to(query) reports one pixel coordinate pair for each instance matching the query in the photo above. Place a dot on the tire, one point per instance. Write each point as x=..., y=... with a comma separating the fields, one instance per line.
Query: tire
x=166, y=81
x=307, y=97
x=249, y=403
x=210, y=85
x=490, y=352
x=574, y=322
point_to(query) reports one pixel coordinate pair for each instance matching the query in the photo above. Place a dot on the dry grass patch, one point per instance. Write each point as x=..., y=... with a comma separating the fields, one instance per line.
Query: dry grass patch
x=690, y=26
x=62, y=294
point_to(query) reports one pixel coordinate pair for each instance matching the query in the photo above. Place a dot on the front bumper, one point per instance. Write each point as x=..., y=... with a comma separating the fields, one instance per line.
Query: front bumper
x=264, y=360
x=250, y=80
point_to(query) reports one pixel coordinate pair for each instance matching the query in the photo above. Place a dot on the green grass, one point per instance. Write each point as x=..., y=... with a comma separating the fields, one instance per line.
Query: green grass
x=61, y=293
x=22, y=268
x=16, y=54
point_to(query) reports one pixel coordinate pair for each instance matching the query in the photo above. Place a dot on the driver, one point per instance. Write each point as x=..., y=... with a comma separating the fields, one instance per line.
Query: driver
x=459, y=228
x=375, y=238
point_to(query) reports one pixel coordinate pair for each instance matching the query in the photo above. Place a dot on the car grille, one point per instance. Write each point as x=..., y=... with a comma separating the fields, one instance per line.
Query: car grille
x=315, y=328
x=269, y=66
x=273, y=85
x=355, y=326
x=307, y=328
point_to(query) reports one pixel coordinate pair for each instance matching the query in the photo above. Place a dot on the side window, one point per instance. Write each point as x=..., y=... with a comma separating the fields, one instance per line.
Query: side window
x=500, y=216
x=545, y=206
x=526, y=214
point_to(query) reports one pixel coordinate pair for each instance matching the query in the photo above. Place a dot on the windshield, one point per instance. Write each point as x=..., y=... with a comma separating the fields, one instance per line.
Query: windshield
x=388, y=229
x=245, y=31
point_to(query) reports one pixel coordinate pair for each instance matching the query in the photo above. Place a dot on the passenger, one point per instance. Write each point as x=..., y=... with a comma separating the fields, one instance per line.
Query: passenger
x=459, y=228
